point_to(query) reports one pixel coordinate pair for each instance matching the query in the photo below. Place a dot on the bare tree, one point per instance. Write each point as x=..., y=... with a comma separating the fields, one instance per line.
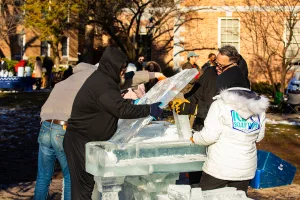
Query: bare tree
x=124, y=21
x=270, y=36
x=10, y=18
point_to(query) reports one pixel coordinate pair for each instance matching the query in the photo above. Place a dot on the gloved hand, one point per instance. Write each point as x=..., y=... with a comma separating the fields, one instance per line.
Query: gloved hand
x=159, y=76
x=177, y=102
x=182, y=107
x=155, y=110
x=192, y=139
x=135, y=102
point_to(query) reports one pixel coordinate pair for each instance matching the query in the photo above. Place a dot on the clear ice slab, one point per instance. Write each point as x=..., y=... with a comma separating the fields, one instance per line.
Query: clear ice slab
x=164, y=91
x=107, y=159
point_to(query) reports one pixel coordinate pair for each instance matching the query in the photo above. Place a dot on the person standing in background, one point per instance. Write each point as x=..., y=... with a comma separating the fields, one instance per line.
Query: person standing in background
x=48, y=65
x=3, y=64
x=139, y=64
x=151, y=66
x=190, y=64
x=38, y=72
x=210, y=63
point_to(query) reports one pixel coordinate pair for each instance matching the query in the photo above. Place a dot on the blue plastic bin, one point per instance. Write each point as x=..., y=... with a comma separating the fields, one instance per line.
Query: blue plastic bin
x=272, y=171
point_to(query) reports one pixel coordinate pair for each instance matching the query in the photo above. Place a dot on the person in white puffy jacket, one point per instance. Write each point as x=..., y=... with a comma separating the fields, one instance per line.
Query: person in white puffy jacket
x=234, y=124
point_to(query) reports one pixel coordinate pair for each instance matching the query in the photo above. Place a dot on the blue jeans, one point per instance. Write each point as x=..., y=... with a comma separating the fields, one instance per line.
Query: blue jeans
x=51, y=147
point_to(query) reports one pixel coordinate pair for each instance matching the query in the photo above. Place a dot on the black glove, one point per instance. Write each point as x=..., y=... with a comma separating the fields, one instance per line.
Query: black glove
x=185, y=109
x=155, y=110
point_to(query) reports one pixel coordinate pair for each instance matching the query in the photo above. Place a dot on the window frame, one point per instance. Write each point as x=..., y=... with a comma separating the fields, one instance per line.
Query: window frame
x=220, y=33
x=285, y=35
x=62, y=46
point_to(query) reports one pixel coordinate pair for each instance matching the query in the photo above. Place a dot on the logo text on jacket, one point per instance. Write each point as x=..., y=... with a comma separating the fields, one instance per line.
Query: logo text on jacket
x=243, y=125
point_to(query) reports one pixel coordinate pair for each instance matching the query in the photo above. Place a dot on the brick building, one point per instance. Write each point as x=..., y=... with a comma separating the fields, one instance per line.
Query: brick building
x=219, y=23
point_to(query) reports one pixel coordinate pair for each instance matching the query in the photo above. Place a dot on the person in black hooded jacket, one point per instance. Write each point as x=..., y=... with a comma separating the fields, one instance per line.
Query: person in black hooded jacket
x=96, y=109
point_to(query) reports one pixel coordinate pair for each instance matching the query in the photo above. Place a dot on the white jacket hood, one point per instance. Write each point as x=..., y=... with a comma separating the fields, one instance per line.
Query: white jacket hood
x=245, y=102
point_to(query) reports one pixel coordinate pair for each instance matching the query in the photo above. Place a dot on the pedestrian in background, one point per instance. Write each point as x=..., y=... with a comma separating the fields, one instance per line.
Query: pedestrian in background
x=48, y=65
x=139, y=64
x=38, y=72
x=3, y=64
x=151, y=66
x=210, y=63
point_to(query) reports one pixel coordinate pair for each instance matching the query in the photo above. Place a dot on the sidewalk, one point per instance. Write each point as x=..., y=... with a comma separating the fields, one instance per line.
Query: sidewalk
x=26, y=190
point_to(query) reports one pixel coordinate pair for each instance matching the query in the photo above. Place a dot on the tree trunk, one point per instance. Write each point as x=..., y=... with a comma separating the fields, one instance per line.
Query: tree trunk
x=87, y=53
x=271, y=79
x=282, y=79
x=55, y=55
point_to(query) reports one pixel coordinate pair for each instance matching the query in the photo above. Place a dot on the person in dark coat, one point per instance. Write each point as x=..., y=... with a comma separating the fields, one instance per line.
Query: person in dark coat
x=3, y=64
x=231, y=68
x=210, y=63
x=68, y=72
x=225, y=75
x=139, y=64
x=96, y=109
x=151, y=66
x=244, y=68
x=200, y=98
x=48, y=65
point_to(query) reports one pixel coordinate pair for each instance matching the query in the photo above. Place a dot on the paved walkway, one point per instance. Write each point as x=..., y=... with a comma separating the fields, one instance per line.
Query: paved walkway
x=26, y=190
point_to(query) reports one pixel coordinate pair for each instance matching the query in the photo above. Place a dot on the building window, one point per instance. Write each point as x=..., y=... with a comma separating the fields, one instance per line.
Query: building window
x=44, y=48
x=229, y=32
x=293, y=50
x=64, y=44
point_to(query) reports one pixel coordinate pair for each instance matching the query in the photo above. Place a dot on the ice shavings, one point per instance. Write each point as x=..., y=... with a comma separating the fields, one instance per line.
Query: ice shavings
x=159, y=160
x=184, y=192
x=111, y=158
x=170, y=134
x=152, y=130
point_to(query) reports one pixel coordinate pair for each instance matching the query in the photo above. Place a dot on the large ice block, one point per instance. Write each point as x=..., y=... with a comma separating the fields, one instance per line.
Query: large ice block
x=179, y=192
x=164, y=91
x=196, y=194
x=225, y=194
x=107, y=159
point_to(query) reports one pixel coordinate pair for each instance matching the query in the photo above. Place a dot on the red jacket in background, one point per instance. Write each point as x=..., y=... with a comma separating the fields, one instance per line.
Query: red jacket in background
x=21, y=63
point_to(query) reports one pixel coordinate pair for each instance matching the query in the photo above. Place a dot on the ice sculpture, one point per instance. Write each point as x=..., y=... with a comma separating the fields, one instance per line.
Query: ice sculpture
x=183, y=126
x=196, y=194
x=178, y=192
x=143, y=159
x=106, y=159
x=182, y=122
x=183, y=192
x=164, y=91
x=227, y=193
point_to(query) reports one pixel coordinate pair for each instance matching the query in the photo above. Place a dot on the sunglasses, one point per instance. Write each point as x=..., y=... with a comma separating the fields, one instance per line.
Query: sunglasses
x=223, y=67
